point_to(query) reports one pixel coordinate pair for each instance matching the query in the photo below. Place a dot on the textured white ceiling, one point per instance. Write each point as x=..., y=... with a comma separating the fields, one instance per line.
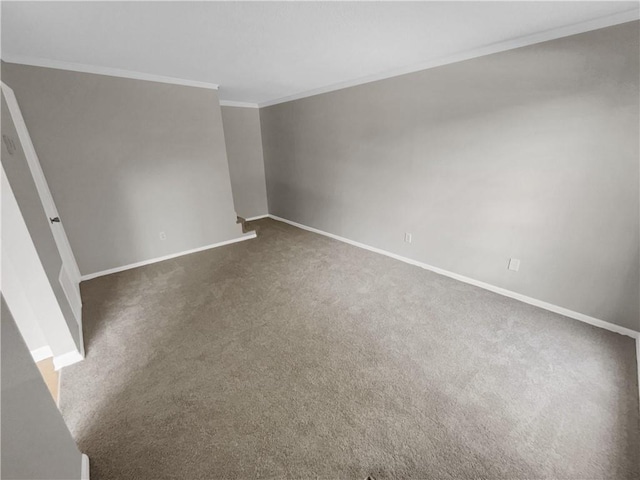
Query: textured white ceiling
x=260, y=52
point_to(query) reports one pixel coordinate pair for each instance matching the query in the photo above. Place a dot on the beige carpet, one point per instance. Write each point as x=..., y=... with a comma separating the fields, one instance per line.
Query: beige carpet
x=297, y=356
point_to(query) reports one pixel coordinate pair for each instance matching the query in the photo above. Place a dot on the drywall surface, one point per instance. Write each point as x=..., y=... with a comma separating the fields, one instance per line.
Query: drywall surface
x=36, y=443
x=246, y=164
x=36, y=221
x=531, y=153
x=126, y=160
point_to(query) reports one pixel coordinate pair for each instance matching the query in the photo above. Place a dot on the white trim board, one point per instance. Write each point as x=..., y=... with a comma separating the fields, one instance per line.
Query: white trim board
x=259, y=217
x=67, y=359
x=231, y=103
x=41, y=353
x=564, y=31
x=89, y=276
x=59, y=388
x=501, y=291
x=84, y=467
x=511, y=44
x=81, y=339
x=111, y=72
x=638, y=360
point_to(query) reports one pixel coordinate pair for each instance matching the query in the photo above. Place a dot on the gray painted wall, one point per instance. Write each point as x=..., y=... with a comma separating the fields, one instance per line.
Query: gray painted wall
x=127, y=159
x=36, y=443
x=24, y=188
x=531, y=153
x=246, y=165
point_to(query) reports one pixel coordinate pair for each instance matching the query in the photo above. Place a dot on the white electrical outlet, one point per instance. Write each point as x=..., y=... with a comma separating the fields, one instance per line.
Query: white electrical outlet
x=514, y=264
x=163, y=236
x=407, y=237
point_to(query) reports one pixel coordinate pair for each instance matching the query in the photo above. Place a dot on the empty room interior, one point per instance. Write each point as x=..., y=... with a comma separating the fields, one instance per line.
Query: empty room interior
x=320, y=240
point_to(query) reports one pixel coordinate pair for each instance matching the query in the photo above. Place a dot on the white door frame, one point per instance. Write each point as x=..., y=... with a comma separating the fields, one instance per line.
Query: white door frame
x=69, y=276
x=24, y=282
x=41, y=184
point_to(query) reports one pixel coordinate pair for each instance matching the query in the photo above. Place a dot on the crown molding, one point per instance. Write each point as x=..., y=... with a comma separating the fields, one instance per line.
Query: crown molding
x=111, y=72
x=231, y=103
x=565, y=31
x=511, y=44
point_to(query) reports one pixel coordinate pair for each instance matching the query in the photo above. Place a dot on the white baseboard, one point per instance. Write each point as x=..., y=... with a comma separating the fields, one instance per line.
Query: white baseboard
x=259, y=217
x=59, y=387
x=81, y=333
x=638, y=360
x=41, y=353
x=84, y=467
x=67, y=359
x=89, y=276
x=501, y=291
